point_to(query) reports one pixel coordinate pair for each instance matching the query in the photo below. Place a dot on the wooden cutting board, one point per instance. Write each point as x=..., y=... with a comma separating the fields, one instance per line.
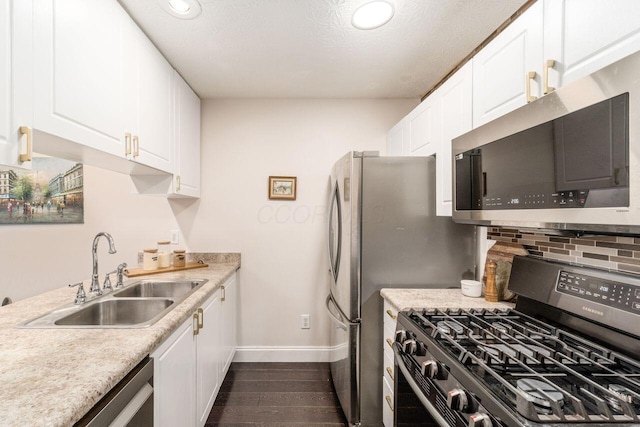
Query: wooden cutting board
x=134, y=272
x=502, y=254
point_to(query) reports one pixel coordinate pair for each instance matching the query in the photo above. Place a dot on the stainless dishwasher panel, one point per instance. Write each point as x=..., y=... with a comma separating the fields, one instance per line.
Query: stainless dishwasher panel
x=130, y=403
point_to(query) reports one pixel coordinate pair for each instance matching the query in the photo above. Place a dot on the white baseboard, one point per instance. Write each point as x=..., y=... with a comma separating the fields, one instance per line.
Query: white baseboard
x=282, y=354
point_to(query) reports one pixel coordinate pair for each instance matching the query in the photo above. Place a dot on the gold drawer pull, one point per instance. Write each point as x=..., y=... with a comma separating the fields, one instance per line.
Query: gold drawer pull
x=200, y=318
x=531, y=75
x=546, y=89
x=196, y=323
x=389, y=402
x=390, y=372
x=393, y=316
x=390, y=342
x=26, y=157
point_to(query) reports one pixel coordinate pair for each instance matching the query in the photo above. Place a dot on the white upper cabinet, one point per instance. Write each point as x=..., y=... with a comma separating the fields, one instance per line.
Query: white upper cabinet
x=424, y=127
x=10, y=141
x=507, y=72
x=100, y=92
x=78, y=72
x=186, y=180
x=456, y=108
x=148, y=101
x=582, y=36
x=397, y=139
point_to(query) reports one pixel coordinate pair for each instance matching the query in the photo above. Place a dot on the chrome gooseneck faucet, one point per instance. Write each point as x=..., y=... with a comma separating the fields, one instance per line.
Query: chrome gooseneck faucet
x=95, y=285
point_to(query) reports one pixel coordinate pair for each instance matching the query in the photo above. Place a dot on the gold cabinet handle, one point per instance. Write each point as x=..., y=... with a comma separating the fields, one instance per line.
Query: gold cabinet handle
x=200, y=318
x=224, y=294
x=196, y=324
x=389, y=401
x=25, y=130
x=390, y=371
x=531, y=75
x=393, y=316
x=390, y=342
x=546, y=89
x=127, y=143
x=136, y=146
x=177, y=183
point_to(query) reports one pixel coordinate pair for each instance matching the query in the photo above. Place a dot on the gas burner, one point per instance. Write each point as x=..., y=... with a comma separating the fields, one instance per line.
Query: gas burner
x=541, y=394
x=449, y=327
x=501, y=327
x=622, y=392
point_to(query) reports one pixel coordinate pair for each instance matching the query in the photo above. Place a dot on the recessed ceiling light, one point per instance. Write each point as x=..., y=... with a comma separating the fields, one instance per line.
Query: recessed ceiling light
x=183, y=9
x=372, y=15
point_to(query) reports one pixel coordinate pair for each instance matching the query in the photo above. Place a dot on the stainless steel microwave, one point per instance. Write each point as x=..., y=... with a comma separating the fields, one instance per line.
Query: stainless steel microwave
x=567, y=161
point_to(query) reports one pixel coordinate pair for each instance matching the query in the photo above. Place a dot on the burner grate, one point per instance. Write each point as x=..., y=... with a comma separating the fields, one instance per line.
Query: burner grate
x=548, y=374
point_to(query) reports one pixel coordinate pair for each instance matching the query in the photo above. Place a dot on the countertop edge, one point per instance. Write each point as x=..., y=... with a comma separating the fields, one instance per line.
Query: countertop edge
x=405, y=299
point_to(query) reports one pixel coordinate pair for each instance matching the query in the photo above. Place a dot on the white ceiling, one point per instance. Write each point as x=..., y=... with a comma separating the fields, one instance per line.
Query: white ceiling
x=308, y=48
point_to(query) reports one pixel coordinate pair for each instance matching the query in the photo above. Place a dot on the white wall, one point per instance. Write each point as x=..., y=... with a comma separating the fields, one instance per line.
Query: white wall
x=38, y=258
x=284, y=261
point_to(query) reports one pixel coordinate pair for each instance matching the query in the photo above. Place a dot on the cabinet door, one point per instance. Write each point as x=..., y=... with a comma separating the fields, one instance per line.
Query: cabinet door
x=77, y=51
x=500, y=70
x=208, y=358
x=228, y=323
x=9, y=138
x=174, y=379
x=396, y=137
x=155, y=107
x=187, y=140
x=424, y=128
x=583, y=36
x=456, y=106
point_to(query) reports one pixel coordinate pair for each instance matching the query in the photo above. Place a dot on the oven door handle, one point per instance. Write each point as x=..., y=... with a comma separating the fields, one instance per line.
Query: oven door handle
x=416, y=390
x=343, y=325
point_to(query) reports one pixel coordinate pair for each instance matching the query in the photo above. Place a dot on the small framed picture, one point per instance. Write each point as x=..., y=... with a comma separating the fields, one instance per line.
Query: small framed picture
x=282, y=187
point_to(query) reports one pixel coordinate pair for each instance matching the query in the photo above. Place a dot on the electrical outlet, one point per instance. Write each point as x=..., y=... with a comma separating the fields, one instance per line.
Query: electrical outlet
x=175, y=236
x=305, y=321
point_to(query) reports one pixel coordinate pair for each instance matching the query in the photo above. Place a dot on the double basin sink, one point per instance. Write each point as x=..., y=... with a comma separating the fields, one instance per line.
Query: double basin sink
x=139, y=304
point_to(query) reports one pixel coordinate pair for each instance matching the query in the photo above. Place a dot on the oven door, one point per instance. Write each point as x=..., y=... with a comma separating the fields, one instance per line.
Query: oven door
x=411, y=406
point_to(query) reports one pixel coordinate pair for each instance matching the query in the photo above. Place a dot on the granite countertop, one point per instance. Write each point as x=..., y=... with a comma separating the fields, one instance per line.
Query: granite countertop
x=53, y=377
x=403, y=299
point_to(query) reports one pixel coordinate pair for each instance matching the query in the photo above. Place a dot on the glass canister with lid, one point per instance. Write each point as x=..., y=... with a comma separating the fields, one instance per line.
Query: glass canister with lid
x=179, y=258
x=150, y=259
x=164, y=254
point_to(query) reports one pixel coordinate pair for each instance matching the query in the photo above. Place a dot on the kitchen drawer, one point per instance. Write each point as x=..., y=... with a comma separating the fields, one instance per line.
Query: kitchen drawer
x=388, y=367
x=390, y=314
x=387, y=403
x=389, y=335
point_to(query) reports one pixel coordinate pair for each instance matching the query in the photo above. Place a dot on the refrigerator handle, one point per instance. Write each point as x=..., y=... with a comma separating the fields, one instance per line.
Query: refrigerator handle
x=335, y=202
x=338, y=320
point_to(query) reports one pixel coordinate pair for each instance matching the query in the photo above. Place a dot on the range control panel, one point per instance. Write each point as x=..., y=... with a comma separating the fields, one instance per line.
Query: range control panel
x=622, y=296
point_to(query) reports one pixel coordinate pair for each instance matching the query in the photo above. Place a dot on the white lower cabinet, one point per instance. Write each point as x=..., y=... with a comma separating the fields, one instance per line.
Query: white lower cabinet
x=228, y=302
x=191, y=364
x=174, y=379
x=390, y=314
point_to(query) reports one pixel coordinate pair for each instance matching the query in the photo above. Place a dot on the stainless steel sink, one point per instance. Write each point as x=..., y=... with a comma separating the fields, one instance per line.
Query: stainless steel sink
x=137, y=305
x=160, y=288
x=118, y=312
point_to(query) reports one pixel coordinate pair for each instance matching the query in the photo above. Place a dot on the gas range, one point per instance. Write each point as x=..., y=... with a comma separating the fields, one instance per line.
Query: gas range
x=537, y=364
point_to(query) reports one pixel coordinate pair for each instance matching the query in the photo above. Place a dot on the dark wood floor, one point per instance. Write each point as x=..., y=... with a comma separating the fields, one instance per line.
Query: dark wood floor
x=277, y=394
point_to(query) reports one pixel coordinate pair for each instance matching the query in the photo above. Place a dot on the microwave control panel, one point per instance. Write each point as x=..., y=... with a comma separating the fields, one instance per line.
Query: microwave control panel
x=623, y=296
x=560, y=199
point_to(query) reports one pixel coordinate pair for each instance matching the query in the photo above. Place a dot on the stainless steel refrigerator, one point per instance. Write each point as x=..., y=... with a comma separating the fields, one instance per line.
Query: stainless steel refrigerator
x=382, y=232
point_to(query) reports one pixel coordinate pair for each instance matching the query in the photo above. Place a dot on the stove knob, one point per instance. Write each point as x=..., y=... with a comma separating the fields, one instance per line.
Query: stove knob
x=422, y=349
x=410, y=346
x=457, y=400
x=430, y=368
x=480, y=420
x=401, y=335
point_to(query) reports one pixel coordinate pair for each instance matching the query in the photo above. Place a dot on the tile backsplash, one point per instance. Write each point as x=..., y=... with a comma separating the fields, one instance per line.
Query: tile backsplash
x=611, y=252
